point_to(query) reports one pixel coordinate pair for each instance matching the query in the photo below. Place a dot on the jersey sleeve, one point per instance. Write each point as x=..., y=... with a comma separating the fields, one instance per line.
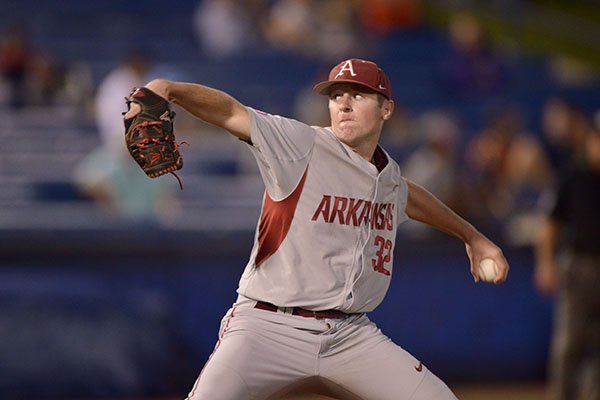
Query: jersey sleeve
x=282, y=148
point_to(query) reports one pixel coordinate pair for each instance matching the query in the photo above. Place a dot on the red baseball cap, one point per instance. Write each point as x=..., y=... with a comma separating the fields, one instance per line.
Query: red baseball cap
x=362, y=72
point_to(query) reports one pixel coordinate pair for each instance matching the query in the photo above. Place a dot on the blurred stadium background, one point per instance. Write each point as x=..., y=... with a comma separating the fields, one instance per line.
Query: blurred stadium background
x=101, y=301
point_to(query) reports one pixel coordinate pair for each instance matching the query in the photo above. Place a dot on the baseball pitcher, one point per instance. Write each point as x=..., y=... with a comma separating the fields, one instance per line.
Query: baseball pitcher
x=323, y=250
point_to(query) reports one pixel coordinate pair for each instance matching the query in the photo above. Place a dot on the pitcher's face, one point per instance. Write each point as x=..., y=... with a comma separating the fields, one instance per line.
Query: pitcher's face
x=357, y=114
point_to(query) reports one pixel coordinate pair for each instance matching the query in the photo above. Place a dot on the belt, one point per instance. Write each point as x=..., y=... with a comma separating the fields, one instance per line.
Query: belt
x=263, y=305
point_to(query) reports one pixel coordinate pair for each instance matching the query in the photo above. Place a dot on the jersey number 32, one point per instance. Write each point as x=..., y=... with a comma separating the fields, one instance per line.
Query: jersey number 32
x=384, y=254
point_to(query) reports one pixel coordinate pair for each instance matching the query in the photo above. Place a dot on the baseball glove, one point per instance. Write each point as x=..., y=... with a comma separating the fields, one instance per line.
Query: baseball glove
x=149, y=134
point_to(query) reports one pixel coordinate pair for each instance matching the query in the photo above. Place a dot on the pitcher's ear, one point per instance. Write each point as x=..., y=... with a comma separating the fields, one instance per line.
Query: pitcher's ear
x=388, y=109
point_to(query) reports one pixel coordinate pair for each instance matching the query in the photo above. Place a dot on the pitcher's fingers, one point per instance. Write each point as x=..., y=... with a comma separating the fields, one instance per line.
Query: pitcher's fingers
x=502, y=273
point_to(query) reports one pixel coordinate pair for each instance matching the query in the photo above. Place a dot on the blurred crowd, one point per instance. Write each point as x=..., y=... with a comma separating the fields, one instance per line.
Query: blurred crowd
x=33, y=76
x=327, y=29
x=502, y=175
x=496, y=173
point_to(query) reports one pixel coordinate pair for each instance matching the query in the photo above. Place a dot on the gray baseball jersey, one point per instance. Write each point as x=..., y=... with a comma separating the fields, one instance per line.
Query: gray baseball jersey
x=328, y=224
x=324, y=241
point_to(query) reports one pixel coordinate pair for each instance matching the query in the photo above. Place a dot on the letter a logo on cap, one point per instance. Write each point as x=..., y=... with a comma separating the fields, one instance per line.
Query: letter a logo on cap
x=347, y=66
x=358, y=72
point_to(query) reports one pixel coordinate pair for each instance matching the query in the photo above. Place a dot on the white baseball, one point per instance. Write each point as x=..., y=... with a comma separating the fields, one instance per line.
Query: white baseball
x=488, y=270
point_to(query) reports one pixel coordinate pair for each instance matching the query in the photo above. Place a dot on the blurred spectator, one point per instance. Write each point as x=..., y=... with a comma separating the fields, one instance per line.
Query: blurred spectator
x=473, y=65
x=36, y=78
x=224, y=27
x=507, y=169
x=110, y=175
x=291, y=25
x=383, y=17
x=324, y=29
x=78, y=87
x=45, y=81
x=337, y=36
x=133, y=71
x=15, y=58
x=564, y=127
x=568, y=264
x=434, y=163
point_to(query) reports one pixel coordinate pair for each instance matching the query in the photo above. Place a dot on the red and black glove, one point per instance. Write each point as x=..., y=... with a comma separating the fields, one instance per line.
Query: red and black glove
x=149, y=134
